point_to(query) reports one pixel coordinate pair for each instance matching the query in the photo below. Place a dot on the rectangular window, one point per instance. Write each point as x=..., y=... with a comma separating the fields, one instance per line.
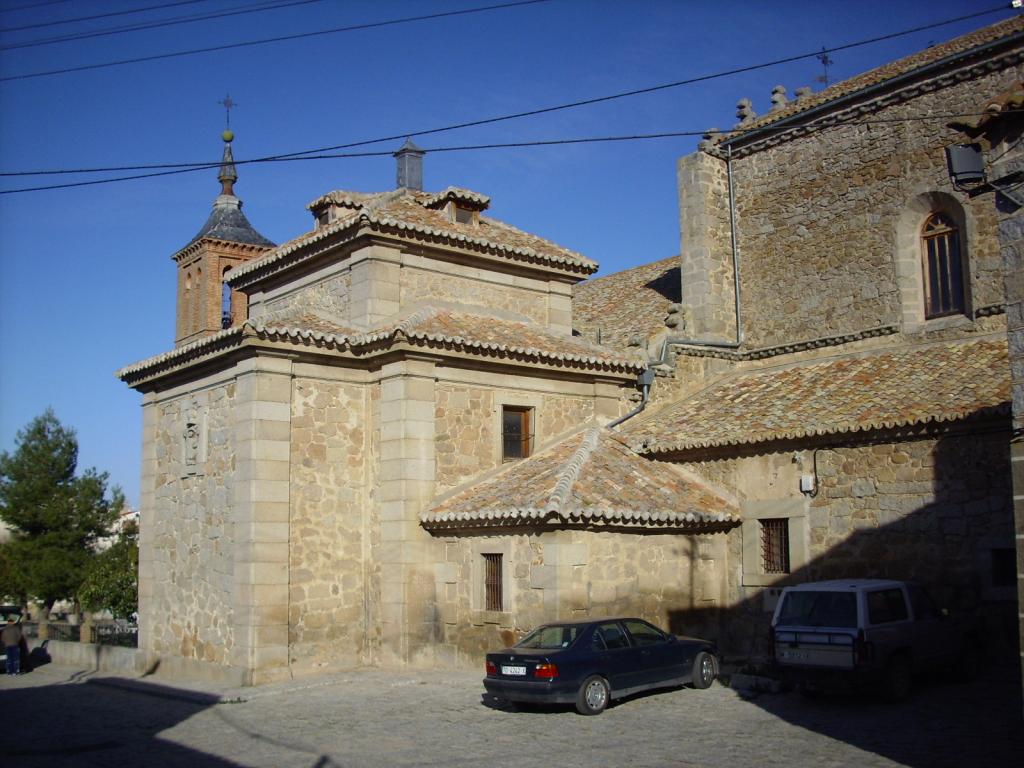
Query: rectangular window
x=516, y=433
x=493, y=600
x=775, y=545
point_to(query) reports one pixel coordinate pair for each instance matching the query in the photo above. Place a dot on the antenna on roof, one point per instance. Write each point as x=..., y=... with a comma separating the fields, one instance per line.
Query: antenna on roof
x=825, y=60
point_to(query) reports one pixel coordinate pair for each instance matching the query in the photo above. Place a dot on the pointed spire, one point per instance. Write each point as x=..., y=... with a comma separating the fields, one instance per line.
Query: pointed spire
x=228, y=175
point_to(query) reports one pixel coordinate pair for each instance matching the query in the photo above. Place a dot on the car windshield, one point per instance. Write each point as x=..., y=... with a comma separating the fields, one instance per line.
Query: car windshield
x=554, y=636
x=819, y=609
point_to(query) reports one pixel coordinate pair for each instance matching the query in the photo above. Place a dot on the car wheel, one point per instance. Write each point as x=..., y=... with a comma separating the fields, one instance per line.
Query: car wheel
x=898, y=678
x=704, y=670
x=593, y=696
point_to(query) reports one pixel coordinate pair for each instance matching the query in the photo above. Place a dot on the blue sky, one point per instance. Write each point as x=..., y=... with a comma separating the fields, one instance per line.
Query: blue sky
x=87, y=284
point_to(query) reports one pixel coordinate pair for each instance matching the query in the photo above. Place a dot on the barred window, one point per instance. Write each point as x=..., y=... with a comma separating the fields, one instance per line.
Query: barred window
x=516, y=433
x=941, y=267
x=493, y=600
x=775, y=545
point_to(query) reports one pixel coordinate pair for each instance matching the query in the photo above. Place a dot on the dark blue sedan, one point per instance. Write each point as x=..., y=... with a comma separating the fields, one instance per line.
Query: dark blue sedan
x=590, y=663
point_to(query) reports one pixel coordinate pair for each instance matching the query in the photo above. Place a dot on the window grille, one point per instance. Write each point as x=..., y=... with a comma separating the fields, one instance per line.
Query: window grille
x=941, y=267
x=775, y=545
x=492, y=582
x=516, y=434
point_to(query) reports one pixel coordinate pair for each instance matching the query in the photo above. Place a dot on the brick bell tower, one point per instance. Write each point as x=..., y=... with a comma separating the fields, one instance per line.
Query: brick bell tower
x=205, y=304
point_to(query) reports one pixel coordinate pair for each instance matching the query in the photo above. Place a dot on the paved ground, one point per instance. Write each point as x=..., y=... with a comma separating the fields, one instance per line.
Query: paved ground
x=58, y=716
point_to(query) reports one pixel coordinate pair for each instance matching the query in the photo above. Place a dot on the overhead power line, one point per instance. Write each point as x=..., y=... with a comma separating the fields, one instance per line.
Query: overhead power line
x=193, y=167
x=101, y=16
x=529, y=113
x=143, y=26
x=31, y=6
x=279, y=39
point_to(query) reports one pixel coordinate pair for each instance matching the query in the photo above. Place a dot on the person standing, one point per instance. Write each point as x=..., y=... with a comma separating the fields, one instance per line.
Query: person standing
x=11, y=637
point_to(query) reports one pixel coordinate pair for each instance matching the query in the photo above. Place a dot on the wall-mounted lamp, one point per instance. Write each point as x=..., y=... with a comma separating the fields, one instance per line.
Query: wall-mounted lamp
x=967, y=172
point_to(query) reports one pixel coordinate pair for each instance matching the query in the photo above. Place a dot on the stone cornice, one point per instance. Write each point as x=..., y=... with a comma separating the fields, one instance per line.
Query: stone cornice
x=362, y=346
x=241, y=249
x=847, y=108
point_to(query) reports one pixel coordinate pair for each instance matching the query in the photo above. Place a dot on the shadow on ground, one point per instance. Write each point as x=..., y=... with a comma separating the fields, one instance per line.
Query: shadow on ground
x=95, y=723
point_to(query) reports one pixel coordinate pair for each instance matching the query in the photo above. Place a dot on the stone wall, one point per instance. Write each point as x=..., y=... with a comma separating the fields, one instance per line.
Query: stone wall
x=329, y=297
x=191, y=539
x=673, y=580
x=468, y=426
x=329, y=517
x=828, y=224
x=483, y=290
x=928, y=510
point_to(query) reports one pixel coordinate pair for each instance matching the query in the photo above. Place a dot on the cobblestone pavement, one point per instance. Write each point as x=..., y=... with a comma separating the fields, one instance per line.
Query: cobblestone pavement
x=58, y=716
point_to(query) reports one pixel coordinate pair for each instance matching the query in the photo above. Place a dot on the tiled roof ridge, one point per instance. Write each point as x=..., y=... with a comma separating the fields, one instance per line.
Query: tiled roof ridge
x=561, y=497
x=456, y=193
x=648, y=446
x=369, y=215
x=906, y=67
x=761, y=353
x=345, y=340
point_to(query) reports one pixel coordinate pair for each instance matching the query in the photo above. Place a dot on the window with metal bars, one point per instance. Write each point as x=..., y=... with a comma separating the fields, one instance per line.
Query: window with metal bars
x=941, y=267
x=492, y=582
x=516, y=433
x=775, y=545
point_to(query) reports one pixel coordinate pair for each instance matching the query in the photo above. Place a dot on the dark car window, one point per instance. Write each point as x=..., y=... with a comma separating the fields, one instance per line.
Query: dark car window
x=819, y=609
x=555, y=636
x=886, y=605
x=921, y=602
x=644, y=633
x=613, y=636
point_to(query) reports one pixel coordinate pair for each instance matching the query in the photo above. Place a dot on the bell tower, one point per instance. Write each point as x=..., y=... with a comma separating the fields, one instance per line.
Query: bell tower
x=206, y=305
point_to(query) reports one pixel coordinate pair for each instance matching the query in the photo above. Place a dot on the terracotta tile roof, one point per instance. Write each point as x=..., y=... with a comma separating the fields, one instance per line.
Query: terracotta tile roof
x=630, y=303
x=430, y=327
x=590, y=478
x=406, y=213
x=905, y=66
x=885, y=389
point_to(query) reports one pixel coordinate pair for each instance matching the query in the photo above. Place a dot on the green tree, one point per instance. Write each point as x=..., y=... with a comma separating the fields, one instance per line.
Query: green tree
x=55, y=517
x=112, y=580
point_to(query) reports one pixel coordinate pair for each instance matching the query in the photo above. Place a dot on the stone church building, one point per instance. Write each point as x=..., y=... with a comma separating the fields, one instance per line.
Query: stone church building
x=414, y=431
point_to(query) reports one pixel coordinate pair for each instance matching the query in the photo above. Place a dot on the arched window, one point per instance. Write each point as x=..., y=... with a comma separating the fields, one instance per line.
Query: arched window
x=225, y=300
x=941, y=267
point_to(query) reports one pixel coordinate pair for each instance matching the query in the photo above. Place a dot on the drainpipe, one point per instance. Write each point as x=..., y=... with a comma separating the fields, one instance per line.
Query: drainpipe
x=645, y=380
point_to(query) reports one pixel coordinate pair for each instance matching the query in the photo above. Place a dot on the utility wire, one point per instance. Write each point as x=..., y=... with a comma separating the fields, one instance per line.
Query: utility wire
x=637, y=92
x=192, y=167
x=31, y=6
x=237, y=11
x=543, y=110
x=282, y=38
x=101, y=16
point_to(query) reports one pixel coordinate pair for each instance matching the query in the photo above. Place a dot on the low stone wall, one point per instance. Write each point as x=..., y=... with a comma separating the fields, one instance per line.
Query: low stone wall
x=101, y=658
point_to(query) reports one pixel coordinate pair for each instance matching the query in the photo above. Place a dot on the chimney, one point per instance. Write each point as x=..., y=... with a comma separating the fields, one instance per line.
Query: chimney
x=410, y=166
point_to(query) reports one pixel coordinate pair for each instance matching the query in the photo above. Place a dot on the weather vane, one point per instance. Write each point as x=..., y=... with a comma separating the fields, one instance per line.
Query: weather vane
x=825, y=60
x=228, y=104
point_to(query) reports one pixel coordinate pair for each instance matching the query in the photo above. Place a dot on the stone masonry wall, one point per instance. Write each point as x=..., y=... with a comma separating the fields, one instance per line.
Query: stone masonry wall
x=928, y=510
x=193, y=538
x=468, y=425
x=668, y=579
x=329, y=296
x=328, y=529
x=423, y=285
x=819, y=219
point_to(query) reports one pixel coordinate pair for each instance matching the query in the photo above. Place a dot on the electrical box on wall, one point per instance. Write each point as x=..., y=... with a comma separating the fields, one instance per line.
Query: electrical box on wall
x=806, y=483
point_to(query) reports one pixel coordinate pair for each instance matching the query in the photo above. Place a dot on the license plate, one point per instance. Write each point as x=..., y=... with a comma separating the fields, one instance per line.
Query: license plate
x=506, y=670
x=794, y=655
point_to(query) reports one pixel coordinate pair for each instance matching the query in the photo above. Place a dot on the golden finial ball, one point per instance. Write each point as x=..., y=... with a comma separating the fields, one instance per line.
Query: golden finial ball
x=228, y=135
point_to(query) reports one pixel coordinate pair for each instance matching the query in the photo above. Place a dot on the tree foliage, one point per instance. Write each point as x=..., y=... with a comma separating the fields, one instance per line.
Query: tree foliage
x=55, y=516
x=112, y=579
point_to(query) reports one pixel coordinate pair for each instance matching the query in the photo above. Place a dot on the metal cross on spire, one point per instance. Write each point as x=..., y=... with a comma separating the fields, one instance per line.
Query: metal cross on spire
x=825, y=60
x=227, y=104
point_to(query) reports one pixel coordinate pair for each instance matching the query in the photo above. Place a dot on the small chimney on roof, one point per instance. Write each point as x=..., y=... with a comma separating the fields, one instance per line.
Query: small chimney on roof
x=410, y=166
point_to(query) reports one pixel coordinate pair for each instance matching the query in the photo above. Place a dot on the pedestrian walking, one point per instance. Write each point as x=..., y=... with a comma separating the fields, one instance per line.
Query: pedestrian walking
x=11, y=636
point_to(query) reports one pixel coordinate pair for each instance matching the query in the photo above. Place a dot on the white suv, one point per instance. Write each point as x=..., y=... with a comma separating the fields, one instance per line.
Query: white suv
x=866, y=631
